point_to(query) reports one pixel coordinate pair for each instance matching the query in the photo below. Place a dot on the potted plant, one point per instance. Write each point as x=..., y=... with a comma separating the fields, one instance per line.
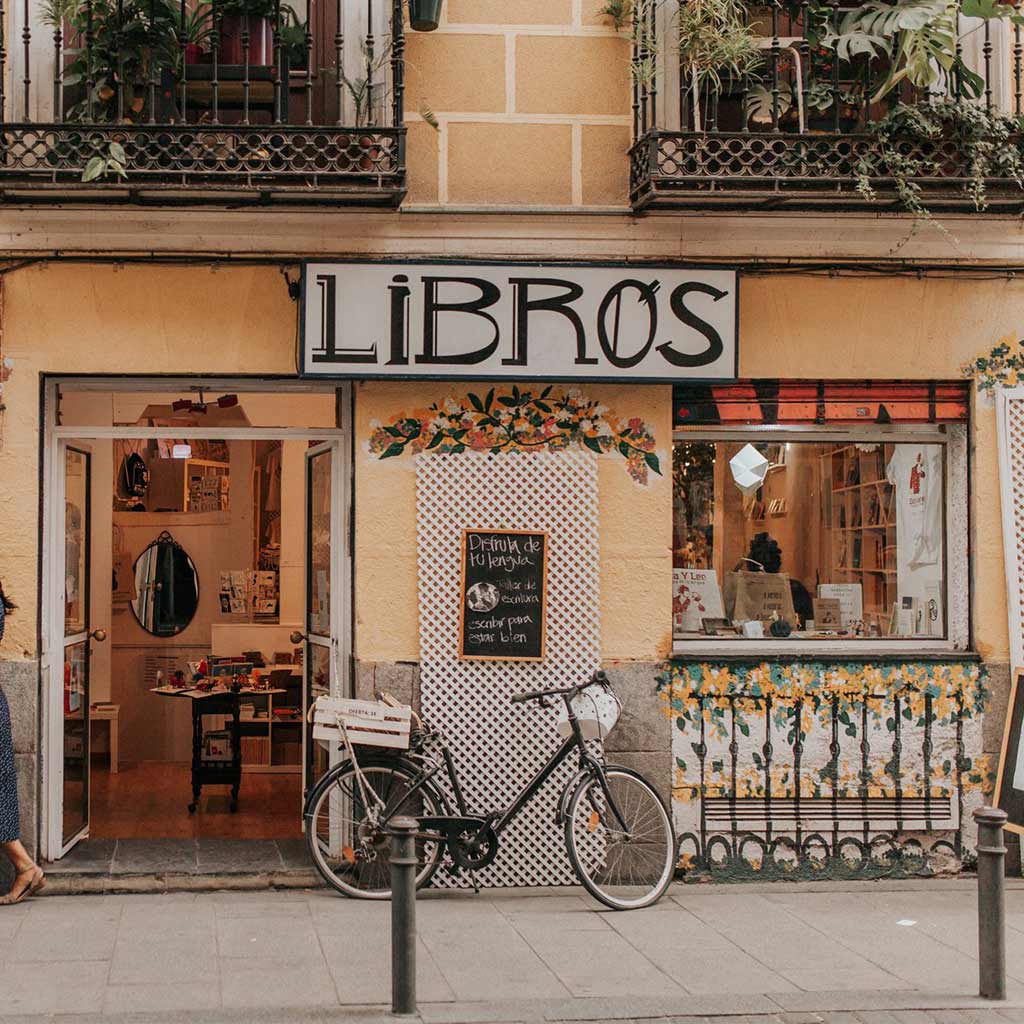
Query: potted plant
x=246, y=17
x=197, y=33
x=424, y=15
x=132, y=42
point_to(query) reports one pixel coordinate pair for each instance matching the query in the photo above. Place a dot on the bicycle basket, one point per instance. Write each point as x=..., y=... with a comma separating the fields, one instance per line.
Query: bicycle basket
x=368, y=723
x=597, y=710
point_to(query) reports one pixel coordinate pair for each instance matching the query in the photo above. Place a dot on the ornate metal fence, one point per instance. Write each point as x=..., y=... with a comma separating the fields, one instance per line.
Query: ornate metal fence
x=824, y=769
x=796, y=129
x=151, y=97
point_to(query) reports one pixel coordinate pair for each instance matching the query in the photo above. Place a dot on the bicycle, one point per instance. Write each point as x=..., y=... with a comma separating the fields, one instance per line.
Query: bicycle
x=618, y=831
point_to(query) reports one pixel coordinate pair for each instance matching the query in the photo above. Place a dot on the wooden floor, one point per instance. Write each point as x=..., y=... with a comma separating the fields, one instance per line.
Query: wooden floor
x=150, y=800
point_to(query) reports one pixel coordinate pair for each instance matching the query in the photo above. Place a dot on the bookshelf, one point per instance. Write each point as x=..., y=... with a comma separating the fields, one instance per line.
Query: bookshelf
x=860, y=521
x=271, y=743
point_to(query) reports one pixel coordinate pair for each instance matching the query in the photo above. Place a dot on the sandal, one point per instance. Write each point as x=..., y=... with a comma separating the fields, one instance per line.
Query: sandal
x=36, y=882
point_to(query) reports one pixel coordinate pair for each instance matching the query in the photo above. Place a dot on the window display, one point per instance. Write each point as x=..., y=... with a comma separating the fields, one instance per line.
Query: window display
x=807, y=539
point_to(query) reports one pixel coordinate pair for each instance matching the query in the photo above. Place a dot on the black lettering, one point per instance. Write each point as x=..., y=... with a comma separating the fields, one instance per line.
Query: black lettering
x=328, y=352
x=399, y=321
x=686, y=316
x=489, y=295
x=524, y=305
x=610, y=346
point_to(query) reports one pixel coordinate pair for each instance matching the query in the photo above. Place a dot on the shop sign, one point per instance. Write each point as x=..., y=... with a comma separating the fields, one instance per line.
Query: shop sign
x=541, y=322
x=503, y=595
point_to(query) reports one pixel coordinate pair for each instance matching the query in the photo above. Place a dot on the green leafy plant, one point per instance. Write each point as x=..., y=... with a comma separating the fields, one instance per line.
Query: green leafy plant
x=114, y=163
x=363, y=87
x=56, y=12
x=716, y=42
x=248, y=8
x=131, y=41
x=620, y=12
x=989, y=143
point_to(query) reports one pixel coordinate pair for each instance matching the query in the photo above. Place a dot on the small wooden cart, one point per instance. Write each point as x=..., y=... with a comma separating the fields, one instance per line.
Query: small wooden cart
x=206, y=772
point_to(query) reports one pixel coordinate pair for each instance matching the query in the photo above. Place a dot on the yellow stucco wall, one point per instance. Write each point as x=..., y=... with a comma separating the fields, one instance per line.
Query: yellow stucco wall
x=139, y=320
x=634, y=525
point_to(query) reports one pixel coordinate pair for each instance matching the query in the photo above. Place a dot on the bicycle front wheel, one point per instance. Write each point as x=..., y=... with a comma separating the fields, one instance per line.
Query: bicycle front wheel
x=349, y=846
x=620, y=840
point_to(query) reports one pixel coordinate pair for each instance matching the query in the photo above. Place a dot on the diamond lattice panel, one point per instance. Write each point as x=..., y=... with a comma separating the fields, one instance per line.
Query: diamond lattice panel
x=1015, y=451
x=499, y=746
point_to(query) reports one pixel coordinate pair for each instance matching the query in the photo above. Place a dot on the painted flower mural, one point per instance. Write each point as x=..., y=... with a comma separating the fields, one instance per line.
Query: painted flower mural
x=516, y=421
x=1002, y=366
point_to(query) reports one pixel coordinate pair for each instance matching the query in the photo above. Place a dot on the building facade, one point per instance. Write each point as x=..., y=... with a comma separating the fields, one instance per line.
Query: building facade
x=792, y=564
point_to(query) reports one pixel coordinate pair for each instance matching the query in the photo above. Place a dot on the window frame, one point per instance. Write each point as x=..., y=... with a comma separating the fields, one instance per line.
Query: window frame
x=953, y=437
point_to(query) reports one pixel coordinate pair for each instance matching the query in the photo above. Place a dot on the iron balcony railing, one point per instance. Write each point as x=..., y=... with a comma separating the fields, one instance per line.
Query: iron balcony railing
x=800, y=125
x=202, y=101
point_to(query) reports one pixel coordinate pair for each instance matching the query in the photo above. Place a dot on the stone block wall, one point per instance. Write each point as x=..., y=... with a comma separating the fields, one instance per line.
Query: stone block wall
x=533, y=106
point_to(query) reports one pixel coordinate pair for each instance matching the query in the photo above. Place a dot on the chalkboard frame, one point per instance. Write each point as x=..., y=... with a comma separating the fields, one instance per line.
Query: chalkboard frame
x=543, y=598
x=1013, y=734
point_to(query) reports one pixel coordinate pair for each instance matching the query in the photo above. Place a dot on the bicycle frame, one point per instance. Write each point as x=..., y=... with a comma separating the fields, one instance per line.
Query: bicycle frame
x=576, y=741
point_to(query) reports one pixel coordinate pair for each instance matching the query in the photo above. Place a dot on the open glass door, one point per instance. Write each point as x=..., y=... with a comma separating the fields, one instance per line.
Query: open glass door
x=69, y=657
x=326, y=668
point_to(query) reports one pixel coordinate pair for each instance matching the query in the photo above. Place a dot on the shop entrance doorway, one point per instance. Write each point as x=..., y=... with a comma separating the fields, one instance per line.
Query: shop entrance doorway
x=189, y=537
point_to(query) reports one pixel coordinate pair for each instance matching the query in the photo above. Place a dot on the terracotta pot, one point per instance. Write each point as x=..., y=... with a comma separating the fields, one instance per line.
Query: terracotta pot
x=261, y=40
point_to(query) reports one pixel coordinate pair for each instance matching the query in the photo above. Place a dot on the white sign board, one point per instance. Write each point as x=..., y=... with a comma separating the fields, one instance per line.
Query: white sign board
x=850, y=597
x=695, y=596
x=541, y=322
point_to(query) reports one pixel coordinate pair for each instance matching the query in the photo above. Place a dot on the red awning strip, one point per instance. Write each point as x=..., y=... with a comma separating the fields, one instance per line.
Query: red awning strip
x=768, y=402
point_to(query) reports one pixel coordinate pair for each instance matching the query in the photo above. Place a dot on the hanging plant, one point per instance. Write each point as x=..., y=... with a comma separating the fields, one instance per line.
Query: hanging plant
x=907, y=149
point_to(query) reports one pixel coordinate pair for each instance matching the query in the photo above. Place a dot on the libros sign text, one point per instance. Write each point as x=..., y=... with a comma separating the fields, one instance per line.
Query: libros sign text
x=550, y=322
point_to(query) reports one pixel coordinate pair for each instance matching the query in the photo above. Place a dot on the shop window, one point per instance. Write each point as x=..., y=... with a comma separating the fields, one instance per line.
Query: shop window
x=810, y=532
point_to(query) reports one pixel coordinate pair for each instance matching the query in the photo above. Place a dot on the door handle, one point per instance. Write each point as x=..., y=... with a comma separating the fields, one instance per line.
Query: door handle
x=297, y=637
x=99, y=635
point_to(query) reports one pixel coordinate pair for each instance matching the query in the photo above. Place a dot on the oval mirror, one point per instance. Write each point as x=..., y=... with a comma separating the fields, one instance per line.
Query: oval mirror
x=166, y=588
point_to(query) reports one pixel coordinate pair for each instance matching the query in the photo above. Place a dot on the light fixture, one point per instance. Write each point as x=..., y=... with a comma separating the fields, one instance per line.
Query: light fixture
x=181, y=451
x=749, y=468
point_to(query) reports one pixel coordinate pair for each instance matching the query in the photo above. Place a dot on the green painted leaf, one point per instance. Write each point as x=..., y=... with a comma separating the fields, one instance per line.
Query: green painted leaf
x=652, y=460
x=435, y=440
x=475, y=402
x=593, y=444
x=392, y=450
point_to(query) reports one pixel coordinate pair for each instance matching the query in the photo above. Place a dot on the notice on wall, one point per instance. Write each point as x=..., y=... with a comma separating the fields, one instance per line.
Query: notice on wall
x=503, y=595
x=695, y=597
x=1009, y=795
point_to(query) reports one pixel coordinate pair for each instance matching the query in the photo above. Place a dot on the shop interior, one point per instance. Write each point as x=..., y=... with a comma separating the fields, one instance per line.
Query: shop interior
x=809, y=540
x=190, y=554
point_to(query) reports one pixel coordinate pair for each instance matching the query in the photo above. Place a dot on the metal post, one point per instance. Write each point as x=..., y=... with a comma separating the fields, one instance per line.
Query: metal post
x=991, y=903
x=403, y=915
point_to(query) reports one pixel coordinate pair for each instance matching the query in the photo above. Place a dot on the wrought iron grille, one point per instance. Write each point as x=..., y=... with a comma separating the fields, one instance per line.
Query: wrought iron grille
x=806, y=141
x=854, y=786
x=302, y=103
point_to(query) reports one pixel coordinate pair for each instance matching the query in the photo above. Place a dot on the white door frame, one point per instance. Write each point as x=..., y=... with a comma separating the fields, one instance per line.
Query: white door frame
x=51, y=619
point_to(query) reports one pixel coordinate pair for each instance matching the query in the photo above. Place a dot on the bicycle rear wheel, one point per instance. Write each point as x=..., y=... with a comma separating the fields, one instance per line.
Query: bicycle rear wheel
x=348, y=849
x=629, y=867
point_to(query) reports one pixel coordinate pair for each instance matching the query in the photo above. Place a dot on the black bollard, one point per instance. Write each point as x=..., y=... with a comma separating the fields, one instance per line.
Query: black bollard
x=991, y=903
x=403, y=915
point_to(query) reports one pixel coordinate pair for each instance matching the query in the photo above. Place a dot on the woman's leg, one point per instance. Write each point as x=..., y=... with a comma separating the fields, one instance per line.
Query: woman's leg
x=17, y=855
x=28, y=878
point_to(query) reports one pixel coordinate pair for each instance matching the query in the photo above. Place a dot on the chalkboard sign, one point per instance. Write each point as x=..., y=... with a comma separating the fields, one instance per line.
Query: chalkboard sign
x=503, y=593
x=1010, y=782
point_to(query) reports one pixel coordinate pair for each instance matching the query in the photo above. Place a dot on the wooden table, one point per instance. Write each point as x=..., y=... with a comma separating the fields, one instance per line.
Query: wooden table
x=108, y=713
x=218, y=701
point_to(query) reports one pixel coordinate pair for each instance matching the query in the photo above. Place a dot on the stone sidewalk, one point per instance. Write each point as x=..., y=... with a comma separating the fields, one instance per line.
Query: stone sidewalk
x=781, y=953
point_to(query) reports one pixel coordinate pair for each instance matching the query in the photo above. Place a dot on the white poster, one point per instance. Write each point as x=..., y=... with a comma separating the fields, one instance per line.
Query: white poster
x=695, y=596
x=916, y=474
x=523, y=321
x=850, y=597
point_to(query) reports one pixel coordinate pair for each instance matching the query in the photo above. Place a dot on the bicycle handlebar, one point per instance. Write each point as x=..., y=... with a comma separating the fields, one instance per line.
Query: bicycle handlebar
x=521, y=698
